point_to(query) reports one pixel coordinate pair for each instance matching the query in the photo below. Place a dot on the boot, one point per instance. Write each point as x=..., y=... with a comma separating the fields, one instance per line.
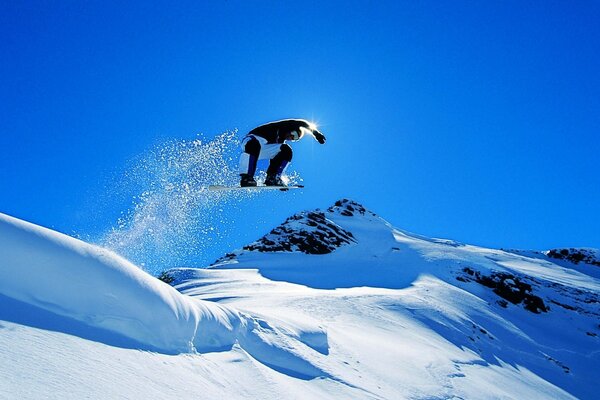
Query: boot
x=247, y=180
x=274, y=180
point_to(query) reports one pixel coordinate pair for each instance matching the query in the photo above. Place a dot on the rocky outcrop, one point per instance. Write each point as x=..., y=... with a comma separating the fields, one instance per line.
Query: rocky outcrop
x=307, y=232
x=509, y=287
x=575, y=256
x=349, y=208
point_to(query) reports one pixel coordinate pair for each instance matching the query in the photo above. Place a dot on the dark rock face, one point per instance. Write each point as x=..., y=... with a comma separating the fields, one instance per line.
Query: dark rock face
x=509, y=287
x=176, y=276
x=348, y=208
x=574, y=255
x=307, y=232
x=166, y=277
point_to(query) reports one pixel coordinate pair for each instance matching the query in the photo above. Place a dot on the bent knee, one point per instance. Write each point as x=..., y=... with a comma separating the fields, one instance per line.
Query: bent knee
x=252, y=146
x=286, y=152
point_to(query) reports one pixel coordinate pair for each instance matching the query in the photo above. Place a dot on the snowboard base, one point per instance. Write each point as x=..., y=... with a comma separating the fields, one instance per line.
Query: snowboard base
x=259, y=187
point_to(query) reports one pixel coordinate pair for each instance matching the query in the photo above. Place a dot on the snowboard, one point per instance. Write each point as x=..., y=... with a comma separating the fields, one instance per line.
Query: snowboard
x=259, y=187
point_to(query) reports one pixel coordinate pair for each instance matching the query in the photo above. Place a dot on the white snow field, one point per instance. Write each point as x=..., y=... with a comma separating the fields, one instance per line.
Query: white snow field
x=334, y=303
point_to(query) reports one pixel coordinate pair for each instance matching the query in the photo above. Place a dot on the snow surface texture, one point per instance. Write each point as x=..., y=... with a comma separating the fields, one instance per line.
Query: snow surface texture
x=332, y=304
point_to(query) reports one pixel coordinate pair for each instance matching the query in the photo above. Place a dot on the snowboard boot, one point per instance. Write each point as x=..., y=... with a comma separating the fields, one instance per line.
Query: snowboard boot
x=274, y=180
x=247, y=180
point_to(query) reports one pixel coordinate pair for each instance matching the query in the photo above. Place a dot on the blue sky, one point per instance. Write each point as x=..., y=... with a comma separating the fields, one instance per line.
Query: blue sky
x=476, y=121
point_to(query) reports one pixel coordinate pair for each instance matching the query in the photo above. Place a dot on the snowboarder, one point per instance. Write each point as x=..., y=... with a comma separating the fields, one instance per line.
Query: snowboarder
x=268, y=141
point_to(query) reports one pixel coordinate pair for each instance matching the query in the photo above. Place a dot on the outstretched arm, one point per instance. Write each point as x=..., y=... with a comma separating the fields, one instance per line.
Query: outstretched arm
x=297, y=124
x=319, y=137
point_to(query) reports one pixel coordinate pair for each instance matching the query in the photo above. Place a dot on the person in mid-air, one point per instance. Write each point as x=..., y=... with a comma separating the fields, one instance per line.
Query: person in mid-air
x=268, y=141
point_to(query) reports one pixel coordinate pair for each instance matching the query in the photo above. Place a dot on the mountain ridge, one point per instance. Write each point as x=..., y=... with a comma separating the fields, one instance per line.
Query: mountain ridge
x=323, y=236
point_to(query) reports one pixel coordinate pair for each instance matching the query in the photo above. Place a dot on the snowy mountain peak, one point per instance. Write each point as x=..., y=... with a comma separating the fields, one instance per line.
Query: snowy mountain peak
x=349, y=208
x=308, y=232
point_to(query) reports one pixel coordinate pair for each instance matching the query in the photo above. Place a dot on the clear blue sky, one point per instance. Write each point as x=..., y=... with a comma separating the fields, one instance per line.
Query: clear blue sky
x=477, y=121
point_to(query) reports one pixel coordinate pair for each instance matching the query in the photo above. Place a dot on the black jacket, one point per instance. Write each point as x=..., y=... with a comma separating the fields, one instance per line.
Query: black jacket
x=277, y=132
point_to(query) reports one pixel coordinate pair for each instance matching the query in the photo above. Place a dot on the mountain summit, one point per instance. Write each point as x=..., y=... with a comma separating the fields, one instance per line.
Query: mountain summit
x=309, y=232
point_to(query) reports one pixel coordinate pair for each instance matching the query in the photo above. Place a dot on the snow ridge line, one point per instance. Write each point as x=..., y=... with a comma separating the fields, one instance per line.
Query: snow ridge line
x=83, y=282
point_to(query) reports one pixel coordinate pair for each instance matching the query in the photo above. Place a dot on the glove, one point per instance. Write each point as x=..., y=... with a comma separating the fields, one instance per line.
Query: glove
x=319, y=136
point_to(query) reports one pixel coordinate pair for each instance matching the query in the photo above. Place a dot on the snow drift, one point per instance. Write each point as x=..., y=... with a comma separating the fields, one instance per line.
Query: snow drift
x=74, y=279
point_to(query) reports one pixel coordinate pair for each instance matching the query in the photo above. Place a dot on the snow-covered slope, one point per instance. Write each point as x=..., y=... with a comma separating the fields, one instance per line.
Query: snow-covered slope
x=496, y=323
x=333, y=303
x=85, y=283
x=54, y=289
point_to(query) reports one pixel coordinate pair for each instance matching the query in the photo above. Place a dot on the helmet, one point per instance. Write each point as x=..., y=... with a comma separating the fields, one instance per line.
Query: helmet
x=296, y=134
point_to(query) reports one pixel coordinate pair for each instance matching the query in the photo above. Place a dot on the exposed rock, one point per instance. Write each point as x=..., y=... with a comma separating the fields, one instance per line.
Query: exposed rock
x=307, y=232
x=566, y=369
x=166, y=277
x=349, y=208
x=509, y=287
x=575, y=256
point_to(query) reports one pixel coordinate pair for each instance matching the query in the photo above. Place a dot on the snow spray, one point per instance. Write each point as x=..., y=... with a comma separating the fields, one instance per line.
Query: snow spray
x=174, y=220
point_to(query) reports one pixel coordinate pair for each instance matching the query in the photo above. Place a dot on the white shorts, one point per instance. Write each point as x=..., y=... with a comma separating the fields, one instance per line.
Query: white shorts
x=267, y=152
